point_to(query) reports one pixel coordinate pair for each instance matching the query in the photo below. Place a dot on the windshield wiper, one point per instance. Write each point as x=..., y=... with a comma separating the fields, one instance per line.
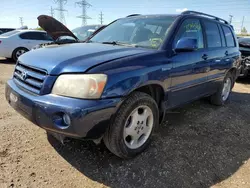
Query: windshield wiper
x=112, y=42
x=119, y=43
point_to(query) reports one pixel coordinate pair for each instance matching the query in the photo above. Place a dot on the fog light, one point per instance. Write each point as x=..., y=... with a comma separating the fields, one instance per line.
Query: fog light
x=66, y=119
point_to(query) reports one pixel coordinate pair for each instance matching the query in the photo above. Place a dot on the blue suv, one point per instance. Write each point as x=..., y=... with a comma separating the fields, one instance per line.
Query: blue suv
x=118, y=86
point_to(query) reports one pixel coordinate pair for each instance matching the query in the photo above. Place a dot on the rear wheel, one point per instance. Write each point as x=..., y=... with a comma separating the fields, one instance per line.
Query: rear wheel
x=222, y=95
x=132, y=127
x=18, y=52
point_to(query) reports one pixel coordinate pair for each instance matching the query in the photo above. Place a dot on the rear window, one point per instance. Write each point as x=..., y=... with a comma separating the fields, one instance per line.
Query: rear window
x=10, y=33
x=245, y=40
x=229, y=36
x=213, y=34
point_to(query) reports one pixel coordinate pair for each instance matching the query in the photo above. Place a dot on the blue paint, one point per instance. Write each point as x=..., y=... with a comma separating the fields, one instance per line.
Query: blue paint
x=182, y=75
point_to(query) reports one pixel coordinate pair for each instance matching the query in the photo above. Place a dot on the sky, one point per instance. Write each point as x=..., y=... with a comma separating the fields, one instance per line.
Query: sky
x=11, y=10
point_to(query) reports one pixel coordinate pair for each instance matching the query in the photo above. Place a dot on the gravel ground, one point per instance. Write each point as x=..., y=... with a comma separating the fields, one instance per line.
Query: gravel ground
x=199, y=145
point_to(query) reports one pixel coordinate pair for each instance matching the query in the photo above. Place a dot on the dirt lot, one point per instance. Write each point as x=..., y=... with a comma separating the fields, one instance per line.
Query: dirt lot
x=199, y=146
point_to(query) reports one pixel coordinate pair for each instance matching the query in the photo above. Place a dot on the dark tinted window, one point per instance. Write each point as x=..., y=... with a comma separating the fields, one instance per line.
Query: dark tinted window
x=244, y=40
x=190, y=28
x=222, y=36
x=229, y=36
x=25, y=36
x=34, y=36
x=4, y=30
x=213, y=34
x=45, y=36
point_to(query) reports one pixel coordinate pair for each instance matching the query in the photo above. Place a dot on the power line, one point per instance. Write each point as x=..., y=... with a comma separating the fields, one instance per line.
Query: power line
x=242, y=23
x=51, y=11
x=230, y=18
x=84, y=5
x=61, y=10
x=21, y=21
x=101, y=18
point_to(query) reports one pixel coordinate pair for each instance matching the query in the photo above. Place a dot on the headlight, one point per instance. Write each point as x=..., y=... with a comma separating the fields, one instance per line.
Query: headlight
x=85, y=86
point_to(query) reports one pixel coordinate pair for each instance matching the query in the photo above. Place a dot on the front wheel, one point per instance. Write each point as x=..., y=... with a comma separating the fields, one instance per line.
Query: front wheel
x=132, y=127
x=222, y=95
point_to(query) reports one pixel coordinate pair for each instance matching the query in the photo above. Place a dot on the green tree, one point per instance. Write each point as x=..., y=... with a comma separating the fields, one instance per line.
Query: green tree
x=244, y=30
x=39, y=28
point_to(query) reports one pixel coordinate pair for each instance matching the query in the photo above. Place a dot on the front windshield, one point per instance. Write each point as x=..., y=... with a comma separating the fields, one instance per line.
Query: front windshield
x=147, y=32
x=84, y=32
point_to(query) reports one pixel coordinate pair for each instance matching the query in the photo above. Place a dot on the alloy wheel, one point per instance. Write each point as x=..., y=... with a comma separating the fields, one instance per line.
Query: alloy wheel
x=226, y=89
x=19, y=53
x=138, y=127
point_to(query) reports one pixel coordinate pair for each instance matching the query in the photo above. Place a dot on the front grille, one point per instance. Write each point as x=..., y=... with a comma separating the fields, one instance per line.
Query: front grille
x=29, y=78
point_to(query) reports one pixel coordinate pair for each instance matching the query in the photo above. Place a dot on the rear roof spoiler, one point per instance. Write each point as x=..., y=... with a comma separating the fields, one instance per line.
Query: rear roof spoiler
x=131, y=15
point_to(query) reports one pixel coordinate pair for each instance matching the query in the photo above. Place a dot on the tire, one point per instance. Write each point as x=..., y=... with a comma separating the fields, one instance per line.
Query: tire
x=17, y=52
x=138, y=106
x=219, y=98
x=9, y=59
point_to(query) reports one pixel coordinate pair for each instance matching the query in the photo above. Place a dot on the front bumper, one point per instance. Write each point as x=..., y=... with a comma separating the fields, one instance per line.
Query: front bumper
x=89, y=118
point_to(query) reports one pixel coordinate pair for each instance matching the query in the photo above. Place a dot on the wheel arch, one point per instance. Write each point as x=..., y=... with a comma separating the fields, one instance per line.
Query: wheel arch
x=233, y=71
x=157, y=92
x=18, y=48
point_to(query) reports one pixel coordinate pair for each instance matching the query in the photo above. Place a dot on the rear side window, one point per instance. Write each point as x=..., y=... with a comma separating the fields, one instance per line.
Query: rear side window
x=33, y=36
x=213, y=34
x=28, y=35
x=222, y=36
x=229, y=36
x=190, y=28
x=45, y=36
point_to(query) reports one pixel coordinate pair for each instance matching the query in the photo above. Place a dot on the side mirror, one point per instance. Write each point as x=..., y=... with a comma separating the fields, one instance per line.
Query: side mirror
x=186, y=45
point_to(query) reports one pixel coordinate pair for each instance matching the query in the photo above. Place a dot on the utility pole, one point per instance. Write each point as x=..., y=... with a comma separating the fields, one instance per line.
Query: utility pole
x=242, y=24
x=51, y=11
x=101, y=18
x=230, y=19
x=61, y=10
x=21, y=21
x=84, y=5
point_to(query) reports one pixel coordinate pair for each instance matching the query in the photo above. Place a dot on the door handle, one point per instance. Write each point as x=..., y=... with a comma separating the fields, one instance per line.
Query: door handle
x=205, y=56
x=226, y=53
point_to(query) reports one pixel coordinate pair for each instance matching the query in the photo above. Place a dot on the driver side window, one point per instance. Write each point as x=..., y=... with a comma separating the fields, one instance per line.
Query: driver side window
x=190, y=28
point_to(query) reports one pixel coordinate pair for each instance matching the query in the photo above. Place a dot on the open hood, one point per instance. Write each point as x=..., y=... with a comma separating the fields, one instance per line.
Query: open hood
x=53, y=27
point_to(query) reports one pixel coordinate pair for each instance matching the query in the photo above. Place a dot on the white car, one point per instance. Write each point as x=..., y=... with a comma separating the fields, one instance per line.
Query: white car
x=15, y=43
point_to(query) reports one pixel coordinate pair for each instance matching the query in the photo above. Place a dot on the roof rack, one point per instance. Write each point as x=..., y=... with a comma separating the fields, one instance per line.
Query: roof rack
x=133, y=15
x=203, y=14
